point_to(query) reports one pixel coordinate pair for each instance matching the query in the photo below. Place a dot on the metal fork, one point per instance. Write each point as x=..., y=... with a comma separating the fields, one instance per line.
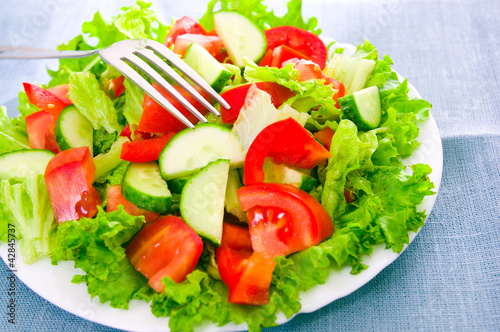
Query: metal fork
x=136, y=52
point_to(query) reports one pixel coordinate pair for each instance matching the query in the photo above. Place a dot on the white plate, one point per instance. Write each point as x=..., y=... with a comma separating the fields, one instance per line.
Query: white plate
x=53, y=282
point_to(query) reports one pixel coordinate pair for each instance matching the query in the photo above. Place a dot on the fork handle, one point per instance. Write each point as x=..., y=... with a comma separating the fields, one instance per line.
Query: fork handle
x=9, y=52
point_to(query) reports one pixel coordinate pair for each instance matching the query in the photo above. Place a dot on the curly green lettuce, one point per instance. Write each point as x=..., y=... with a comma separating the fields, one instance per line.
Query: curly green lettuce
x=12, y=136
x=96, y=247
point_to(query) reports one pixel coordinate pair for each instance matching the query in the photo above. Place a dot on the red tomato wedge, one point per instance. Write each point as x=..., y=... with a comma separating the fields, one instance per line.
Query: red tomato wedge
x=69, y=177
x=267, y=59
x=283, y=53
x=182, y=26
x=283, y=219
x=40, y=133
x=302, y=41
x=247, y=274
x=144, y=151
x=325, y=136
x=115, y=199
x=236, y=98
x=212, y=44
x=285, y=142
x=61, y=92
x=166, y=247
x=156, y=119
x=45, y=100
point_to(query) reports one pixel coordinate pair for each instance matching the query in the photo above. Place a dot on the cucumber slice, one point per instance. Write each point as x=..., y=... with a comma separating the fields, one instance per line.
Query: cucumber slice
x=176, y=185
x=144, y=187
x=202, y=200
x=232, y=203
x=363, y=108
x=74, y=130
x=240, y=36
x=17, y=164
x=351, y=71
x=215, y=74
x=279, y=173
x=192, y=149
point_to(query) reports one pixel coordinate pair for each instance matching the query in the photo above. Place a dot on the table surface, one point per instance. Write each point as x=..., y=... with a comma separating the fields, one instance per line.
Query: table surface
x=449, y=278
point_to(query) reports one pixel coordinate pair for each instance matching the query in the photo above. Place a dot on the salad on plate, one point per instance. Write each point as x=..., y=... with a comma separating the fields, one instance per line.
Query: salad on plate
x=229, y=222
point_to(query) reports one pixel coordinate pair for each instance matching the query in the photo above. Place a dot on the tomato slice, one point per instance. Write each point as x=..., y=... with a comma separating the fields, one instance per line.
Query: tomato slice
x=247, y=274
x=182, y=26
x=40, y=133
x=302, y=41
x=156, y=119
x=165, y=247
x=144, y=151
x=285, y=142
x=45, y=100
x=61, y=92
x=115, y=199
x=283, y=53
x=212, y=44
x=325, y=136
x=236, y=98
x=69, y=177
x=283, y=219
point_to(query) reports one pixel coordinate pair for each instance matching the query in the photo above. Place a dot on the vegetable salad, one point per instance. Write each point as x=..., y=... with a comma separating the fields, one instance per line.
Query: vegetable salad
x=230, y=221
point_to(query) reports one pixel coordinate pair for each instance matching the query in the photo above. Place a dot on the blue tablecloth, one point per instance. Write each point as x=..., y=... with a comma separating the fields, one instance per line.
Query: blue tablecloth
x=449, y=278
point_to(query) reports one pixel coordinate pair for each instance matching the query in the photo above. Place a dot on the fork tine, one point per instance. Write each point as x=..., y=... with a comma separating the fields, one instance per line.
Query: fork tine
x=186, y=70
x=142, y=65
x=132, y=75
x=160, y=64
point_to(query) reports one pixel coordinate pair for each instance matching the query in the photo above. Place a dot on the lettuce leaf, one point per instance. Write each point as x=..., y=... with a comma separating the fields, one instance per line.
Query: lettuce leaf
x=102, y=141
x=95, y=245
x=400, y=114
x=138, y=21
x=25, y=107
x=256, y=11
x=115, y=176
x=132, y=110
x=200, y=298
x=350, y=152
x=12, y=136
x=286, y=76
x=397, y=195
x=92, y=102
x=402, y=131
x=27, y=206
